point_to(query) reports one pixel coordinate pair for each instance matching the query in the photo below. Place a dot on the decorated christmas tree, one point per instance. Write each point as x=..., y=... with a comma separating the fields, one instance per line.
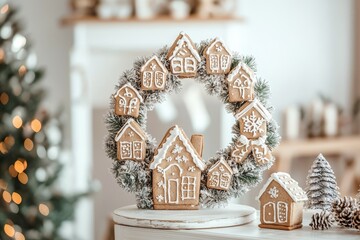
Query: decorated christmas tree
x=321, y=187
x=31, y=207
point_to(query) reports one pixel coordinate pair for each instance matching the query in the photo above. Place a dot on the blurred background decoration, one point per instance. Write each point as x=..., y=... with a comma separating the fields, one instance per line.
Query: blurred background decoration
x=310, y=58
x=149, y=9
x=32, y=205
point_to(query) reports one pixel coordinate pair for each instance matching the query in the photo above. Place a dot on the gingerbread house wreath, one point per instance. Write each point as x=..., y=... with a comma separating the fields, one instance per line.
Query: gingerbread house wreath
x=219, y=175
x=281, y=203
x=218, y=58
x=127, y=101
x=183, y=57
x=253, y=117
x=153, y=75
x=177, y=167
x=130, y=141
x=241, y=81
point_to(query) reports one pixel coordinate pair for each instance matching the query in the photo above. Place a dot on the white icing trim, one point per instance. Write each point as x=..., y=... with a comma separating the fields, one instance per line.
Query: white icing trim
x=161, y=152
x=179, y=43
x=132, y=88
x=277, y=178
x=157, y=60
x=237, y=69
x=223, y=162
x=259, y=107
x=264, y=212
x=217, y=40
x=127, y=125
x=278, y=211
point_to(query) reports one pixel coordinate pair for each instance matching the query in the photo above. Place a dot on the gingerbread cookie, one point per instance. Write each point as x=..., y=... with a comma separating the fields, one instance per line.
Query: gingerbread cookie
x=177, y=167
x=241, y=82
x=281, y=203
x=241, y=150
x=253, y=117
x=131, y=143
x=218, y=58
x=183, y=57
x=153, y=75
x=219, y=175
x=127, y=101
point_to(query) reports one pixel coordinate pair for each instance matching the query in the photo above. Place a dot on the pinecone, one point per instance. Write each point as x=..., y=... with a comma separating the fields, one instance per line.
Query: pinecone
x=323, y=220
x=356, y=220
x=346, y=217
x=339, y=206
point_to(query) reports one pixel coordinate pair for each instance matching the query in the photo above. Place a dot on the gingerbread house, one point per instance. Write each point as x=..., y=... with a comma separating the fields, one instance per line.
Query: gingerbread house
x=130, y=141
x=176, y=171
x=153, y=74
x=219, y=175
x=281, y=203
x=127, y=101
x=183, y=57
x=241, y=81
x=253, y=117
x=218, y=58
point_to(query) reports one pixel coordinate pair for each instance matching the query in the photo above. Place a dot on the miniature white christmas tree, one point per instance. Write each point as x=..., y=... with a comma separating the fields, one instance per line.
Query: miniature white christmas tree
x=321, y=187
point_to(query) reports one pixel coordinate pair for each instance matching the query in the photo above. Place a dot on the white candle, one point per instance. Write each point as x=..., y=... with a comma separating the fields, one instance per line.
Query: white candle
x=330, y=120
x=292, y=122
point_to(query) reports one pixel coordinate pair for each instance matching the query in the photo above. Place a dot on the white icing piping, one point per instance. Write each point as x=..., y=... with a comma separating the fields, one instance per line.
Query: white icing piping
x=127, y=125
x=217, y=40
x=222, y=160
x=157, y=60
x=275, y=176
x=259, y=107
x=179, y=44
x=131, y=87
x=236, y=70
x=161, y=153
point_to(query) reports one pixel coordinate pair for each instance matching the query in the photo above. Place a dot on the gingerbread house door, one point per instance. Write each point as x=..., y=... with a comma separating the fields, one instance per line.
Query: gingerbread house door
x=172, y=176
x=225, y=61
x=269, y=215
x=214, y=62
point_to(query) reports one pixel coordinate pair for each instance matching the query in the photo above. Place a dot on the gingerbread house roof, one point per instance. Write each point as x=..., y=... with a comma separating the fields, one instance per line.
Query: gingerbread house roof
x=157, y=61
x=169, y=138
x=177, y=45
x=291, y=186
x=132, y=88
x=221, y=161
x=258, y=106
x=236, y=70
x=133, y=126
x=213, y=43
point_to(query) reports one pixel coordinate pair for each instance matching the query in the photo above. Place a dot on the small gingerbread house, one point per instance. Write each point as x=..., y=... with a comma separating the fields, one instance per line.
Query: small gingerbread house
x=183, y=57
x=253, y=117
x=131, y=143
x=219, y=175
x=177, y=167
x=218, y=58
x=281, y=203
x=241, y=81
x=127, y=101
x=153, y=74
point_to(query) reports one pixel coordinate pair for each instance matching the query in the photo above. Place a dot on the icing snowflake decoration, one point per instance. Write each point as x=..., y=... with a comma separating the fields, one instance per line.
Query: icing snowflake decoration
x=274, y=192
x=177, y=149
x=191, y=169
x=153, y=66
x=160, y=198
x=252, y=124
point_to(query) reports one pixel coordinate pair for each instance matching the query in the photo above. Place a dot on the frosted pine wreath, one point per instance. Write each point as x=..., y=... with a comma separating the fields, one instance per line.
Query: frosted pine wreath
x=173, y=175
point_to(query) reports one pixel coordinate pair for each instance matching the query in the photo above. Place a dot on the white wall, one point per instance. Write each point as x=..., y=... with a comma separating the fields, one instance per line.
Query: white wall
x=302, y=47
